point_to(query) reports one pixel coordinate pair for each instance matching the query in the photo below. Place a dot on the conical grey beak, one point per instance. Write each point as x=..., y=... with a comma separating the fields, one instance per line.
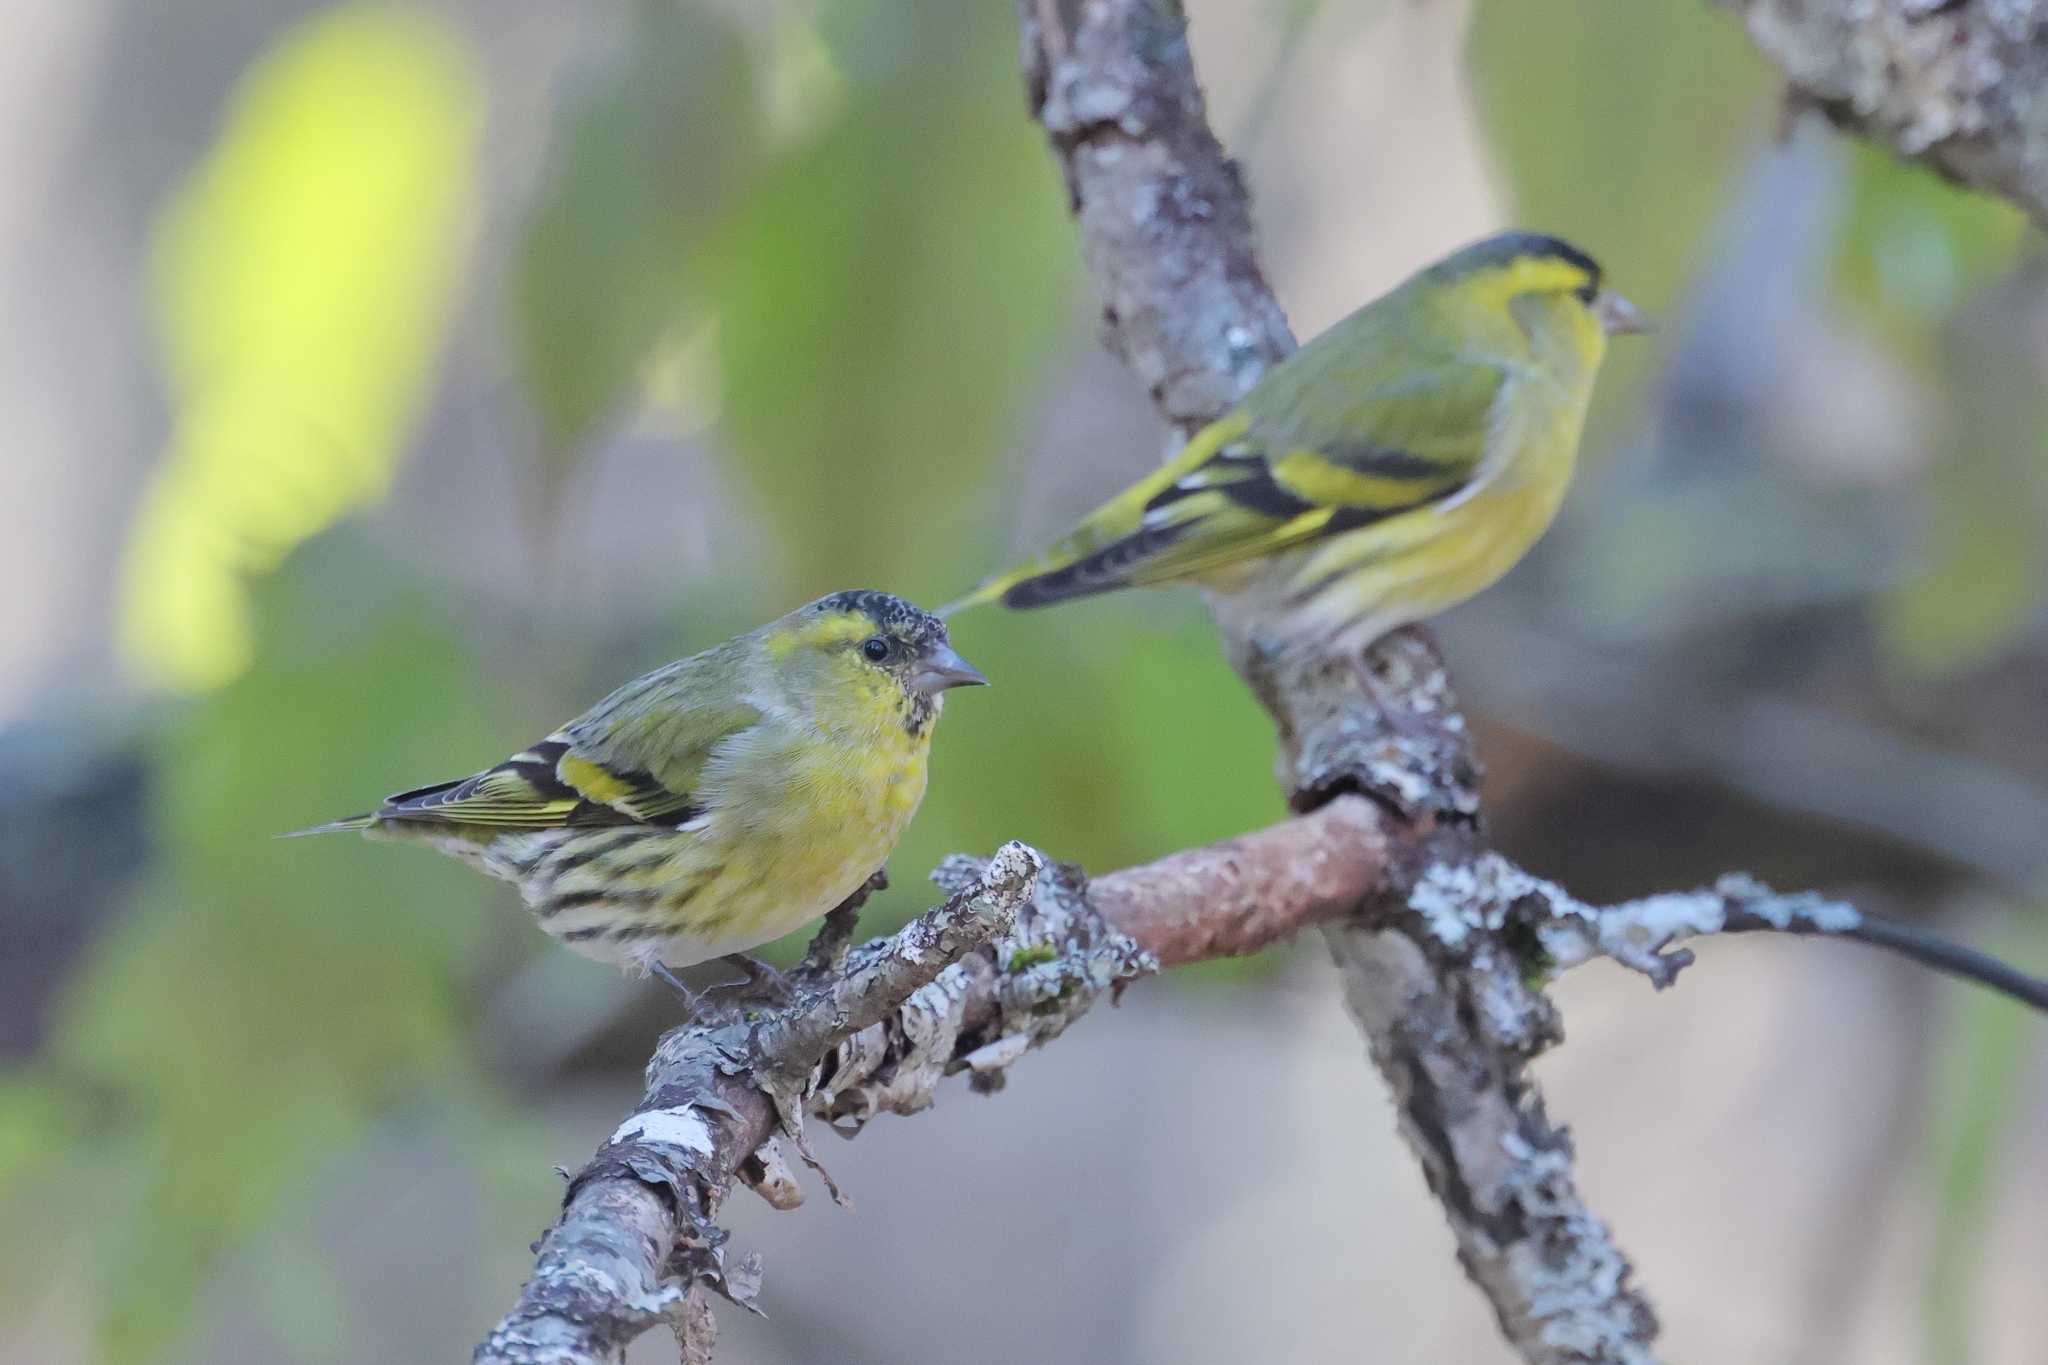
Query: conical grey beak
x=1617, y=316
x=941, y=668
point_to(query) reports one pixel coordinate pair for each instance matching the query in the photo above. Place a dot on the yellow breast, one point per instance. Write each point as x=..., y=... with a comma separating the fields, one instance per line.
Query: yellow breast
x=795, y=838
x=1357, y=586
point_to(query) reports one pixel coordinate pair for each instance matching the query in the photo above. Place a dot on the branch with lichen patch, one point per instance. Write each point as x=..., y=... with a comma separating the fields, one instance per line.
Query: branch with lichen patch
x=1166, y=230
x=1960, y=86
x=636, y=1238
x=1441, y=986
x=1441, y=957
x=1489, y=897
x=1017, y=953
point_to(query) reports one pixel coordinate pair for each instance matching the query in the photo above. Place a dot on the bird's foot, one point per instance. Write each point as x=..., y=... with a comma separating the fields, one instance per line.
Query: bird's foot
x=693, y=1003
x=1412, y=753
x=827, y=952
x=762, y=981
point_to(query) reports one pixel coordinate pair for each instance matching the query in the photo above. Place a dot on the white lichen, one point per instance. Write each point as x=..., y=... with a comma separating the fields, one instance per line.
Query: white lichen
x=667, y=1128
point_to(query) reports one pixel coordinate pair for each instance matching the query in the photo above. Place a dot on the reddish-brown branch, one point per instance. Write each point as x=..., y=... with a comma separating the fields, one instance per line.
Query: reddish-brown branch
x=1233, y=898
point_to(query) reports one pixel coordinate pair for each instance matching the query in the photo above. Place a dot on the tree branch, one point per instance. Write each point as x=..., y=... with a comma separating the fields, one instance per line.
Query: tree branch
x=636, y=1246
x=1958, y=85
x=1166, y=231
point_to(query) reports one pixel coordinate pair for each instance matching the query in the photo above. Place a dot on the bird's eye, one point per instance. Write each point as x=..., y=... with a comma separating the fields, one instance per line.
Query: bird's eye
x=876, y=648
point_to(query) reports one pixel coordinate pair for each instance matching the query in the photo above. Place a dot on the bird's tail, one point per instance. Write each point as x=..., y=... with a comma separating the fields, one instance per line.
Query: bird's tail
x=363, y=821
x=1035, y=585
x=1082, y=565
x=990, y=590
x=1154, y=531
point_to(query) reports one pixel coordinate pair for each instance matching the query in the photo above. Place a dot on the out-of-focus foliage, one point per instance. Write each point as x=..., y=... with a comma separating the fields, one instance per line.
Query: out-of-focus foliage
x=296, y=986
x=885, y=296
x=829, y=237
x=1912, y=248
x=649, y=142
x=1619, y=126
x=1927, y=268
x=1977, y=1077
x=1978, y=578
x=302, y=278
x=878, y=280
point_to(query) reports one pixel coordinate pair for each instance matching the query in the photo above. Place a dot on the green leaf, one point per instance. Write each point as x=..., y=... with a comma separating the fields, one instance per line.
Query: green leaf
x=302, y=277
x=649, y=143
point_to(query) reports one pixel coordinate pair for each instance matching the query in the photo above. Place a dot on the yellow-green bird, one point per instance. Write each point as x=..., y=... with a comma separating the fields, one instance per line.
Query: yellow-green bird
x=716, y=803
x=1394, y=466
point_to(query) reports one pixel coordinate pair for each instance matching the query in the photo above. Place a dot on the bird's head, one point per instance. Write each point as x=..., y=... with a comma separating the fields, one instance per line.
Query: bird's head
x=1552, y=290
x=868, y=658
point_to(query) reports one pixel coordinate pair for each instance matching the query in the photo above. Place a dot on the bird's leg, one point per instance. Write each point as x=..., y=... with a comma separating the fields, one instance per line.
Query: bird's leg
x=827, y=952
x=1397, y=714
x=693, y=1003
x=762, y=979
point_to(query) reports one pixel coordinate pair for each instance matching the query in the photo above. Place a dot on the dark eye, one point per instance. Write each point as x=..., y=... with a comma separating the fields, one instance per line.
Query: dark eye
x=876, y=648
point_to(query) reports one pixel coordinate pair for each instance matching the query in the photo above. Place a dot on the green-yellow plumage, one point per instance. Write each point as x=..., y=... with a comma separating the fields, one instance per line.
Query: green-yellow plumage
x=718, y=802
x=1394, y=466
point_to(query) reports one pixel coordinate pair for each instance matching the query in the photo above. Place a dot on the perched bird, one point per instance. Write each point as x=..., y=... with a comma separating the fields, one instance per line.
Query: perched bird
x=1394, y=466
x=716, y=803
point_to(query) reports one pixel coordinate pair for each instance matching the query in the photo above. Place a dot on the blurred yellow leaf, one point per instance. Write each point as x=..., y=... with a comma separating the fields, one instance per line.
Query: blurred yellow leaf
x=302, y=277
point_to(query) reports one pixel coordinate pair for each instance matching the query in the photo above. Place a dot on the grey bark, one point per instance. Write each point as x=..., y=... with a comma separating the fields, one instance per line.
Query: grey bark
x=981, y=980
x=636, y=1245
x=1958, y=85
x=1166, y=231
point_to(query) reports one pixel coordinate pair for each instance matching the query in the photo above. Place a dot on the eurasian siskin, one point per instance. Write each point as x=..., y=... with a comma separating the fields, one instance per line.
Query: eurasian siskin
x=1394, y=466
x=716, y=803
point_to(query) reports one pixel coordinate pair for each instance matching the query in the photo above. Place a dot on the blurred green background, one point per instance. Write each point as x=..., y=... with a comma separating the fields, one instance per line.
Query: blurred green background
x=384, y=382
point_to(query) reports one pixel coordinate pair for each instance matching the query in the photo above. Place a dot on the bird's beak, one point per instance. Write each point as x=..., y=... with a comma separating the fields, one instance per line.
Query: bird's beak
x=1617, y=316
x=941, y=668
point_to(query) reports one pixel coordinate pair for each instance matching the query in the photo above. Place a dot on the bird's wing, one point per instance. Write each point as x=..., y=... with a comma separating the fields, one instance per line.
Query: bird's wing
x=634, y=758
x=1249, y=485
x=543, y=787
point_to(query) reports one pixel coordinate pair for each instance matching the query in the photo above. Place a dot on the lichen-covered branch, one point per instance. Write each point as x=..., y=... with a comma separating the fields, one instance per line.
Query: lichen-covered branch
x=1440, y=956
x=1438, y=964
x=1016, y=954
x=1165, y=227
x=1958, y=85
x=635, y=1238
